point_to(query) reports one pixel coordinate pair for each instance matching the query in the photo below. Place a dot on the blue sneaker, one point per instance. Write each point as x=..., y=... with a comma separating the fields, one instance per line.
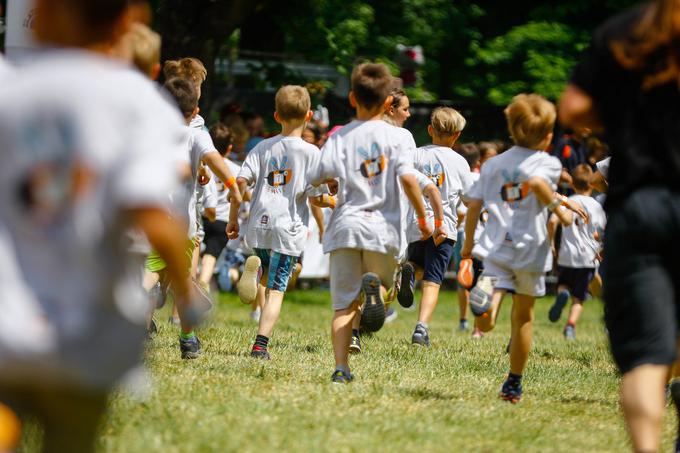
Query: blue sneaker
x=420, y=336
x=511, y=391
x=390, y=315
x=190, y=347
x=560, y=302
x=340, y=377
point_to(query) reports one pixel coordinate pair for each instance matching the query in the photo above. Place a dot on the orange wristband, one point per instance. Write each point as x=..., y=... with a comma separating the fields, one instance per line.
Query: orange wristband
x=438, y=223
x=422, y=222
x=230, y=182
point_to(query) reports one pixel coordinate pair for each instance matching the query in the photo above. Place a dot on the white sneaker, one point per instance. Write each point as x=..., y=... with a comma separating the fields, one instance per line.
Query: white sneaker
x=249, y=281
x=480, y=295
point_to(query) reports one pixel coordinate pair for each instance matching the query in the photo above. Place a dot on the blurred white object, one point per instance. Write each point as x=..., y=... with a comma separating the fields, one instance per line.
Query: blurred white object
x=19, y=42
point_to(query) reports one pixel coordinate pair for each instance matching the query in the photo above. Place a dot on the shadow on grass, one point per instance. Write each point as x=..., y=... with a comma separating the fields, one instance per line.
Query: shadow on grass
x=422, y=393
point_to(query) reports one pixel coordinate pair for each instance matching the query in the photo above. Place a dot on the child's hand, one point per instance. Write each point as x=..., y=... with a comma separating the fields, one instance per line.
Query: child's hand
x=576, y=207
x=203, y=176
x=232, y=230
x=425, y=230
x=439, y=235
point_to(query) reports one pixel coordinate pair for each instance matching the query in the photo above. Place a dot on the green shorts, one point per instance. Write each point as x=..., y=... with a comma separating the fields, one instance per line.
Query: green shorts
x=154, y=262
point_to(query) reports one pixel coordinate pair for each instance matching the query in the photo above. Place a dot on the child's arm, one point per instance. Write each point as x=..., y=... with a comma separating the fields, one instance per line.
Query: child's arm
x=167, y=236
x=552, y=229
x=435, y=197
x=317, y=213
x=216, y=163
x=471, y=219
x=210, y=214
x=235, y=205
x=412, y=191
x=546, y=196
x=323, y=201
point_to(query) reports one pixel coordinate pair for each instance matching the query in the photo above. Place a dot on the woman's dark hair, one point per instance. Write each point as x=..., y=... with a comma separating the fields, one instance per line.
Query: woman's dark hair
x=397, y=96
x=656, y=36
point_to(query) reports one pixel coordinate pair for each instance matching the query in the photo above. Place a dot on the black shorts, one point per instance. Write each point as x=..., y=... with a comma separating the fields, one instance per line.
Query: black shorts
x=577, y=279
x=433, y=259
x=215, y=237
x=642, y=278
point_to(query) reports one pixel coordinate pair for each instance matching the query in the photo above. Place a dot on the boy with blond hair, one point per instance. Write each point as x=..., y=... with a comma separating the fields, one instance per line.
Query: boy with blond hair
x=516, y=187
x=450, y=172
x=364, y=235
x=280, y=169
x=579, y=249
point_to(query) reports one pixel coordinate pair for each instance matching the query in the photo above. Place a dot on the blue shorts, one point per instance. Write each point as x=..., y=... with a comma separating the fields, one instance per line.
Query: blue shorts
x=576, y=279
x=432, y=258
x=280, y=268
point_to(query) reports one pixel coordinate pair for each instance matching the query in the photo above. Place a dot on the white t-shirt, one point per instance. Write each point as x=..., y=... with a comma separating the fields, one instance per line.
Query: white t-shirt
x=220, y=192
x=281, y=168
x=578, y=247
x=516, y=232
x=5, y=68
x=199, y=144
x=450, y=172
x=83, y=140
x=368, y=157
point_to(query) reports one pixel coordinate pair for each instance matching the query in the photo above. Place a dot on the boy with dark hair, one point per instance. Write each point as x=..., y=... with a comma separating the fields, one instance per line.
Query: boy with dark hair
x=579, y=249
x=365, y=231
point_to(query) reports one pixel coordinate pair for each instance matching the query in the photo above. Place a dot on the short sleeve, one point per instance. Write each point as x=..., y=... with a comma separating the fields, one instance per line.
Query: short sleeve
x=550, y=170
x=404, y=160
x=251, y=167
x=326, y=167
x=210, y=194
x=476, y=190
x=203, y=143
x=466, y=181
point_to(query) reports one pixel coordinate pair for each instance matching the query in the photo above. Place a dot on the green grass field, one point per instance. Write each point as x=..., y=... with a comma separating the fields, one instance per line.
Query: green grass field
x=404, y=398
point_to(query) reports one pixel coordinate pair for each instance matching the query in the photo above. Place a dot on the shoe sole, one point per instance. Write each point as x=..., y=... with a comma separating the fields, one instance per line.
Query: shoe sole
x=405, y=294
x=510, y=399
x=466, y=274
x=354, y=350
x=481, y=296
x=202, y=299
x=555, y=312
x=373, y=313
x=248, y=283
x=191, y=355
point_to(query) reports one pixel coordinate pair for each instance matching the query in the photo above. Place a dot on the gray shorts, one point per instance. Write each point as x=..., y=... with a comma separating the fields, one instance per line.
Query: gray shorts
x=347, y=268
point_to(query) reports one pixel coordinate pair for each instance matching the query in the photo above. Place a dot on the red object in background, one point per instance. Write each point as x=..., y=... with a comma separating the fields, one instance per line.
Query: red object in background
x=566, y=152
x=408, y=77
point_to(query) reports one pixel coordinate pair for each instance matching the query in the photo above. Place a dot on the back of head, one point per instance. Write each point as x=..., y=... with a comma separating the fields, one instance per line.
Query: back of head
x=371, y=84
x=530, y=118
x=446, y=121
x=487, y=150
x=581, y=176
x=186, y=68
x=470, y=152
x=292, y=103
x=146, y=48
x=221, y=137
x=184, y=94
x=87, y=21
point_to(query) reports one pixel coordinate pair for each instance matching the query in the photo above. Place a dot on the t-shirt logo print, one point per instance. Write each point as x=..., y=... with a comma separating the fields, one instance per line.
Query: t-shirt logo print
x=374, y=161
x=279, y=175
x=436, y=174
x=513, y=191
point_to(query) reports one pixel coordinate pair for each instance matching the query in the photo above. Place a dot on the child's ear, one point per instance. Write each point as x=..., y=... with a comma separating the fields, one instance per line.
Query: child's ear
x=277, y=118
x=430, y=130
x=195, y=112
x=155, y=71
x=352, y=100
x=309, y=116
x=456, y=136
x=229, y=149
x=387, y=105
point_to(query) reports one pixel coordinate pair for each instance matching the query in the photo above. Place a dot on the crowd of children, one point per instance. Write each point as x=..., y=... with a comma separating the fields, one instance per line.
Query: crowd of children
x=98, y=155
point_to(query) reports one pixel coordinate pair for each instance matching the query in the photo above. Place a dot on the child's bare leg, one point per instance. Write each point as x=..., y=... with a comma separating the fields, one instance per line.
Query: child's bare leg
x=428, y=301
x=522, y=334
x=207, y=269
x=643, y=400
x=194, y=259
x=595, y=286
x=341, y=334
x=462, y=303
x=487, y=322
x=150, y=279
x=575, y=312
x=270, y=312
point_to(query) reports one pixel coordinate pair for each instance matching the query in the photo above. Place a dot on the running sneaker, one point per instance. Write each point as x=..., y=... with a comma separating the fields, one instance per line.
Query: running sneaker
x=157, y=296
x=373, y=312
x=511, y=391
x=390, y=315
x=570, y=332
x=481, y=294
x=190, y=347
x=407, y=285
x=250, y=279
x=463, y=325
x=560, y=302
x=466, y=273
x=420, y=336
x=355, y=345
x=340, y=377
x=258, y=352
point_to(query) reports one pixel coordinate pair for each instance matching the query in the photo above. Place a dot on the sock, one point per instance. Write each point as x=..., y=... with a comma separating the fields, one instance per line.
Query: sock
x=355, y=333
x=422, y=324
x=515, y=378
x=261, y=342
x=187, y=336
x=343, y=368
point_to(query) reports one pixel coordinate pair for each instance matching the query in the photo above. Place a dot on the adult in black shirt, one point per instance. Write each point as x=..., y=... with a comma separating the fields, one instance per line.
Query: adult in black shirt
x=628, y=86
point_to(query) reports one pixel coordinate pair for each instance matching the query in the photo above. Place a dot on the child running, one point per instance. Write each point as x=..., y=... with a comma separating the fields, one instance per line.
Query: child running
x=364, y=234
x=516, y=187
x=450, y=172
x=279, y=168
x=579, y=250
